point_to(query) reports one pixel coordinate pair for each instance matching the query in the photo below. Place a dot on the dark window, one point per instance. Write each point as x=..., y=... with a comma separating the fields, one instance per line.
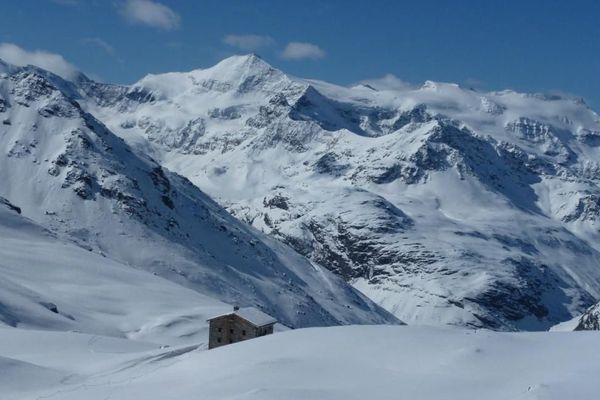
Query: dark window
x=219, y=340
x=243, y=332
x=230, y=340
x=220, y=330
x=231, y=331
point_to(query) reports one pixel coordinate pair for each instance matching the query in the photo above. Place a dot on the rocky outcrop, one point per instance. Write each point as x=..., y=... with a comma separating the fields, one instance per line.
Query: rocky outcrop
x=590, y=320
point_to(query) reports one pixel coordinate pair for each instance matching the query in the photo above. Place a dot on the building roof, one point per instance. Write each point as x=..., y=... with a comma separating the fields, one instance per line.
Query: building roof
x=252, y=315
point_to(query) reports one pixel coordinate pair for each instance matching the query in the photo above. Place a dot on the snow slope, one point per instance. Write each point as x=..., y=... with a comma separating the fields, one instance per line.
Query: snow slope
x=443, y=204
x=51, y=284
x=70, y=174
x=351, y=362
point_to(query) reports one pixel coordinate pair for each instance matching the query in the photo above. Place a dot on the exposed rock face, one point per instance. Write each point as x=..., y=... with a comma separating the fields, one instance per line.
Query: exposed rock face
x=444, y=205
x=590, y=320
x=9, y=205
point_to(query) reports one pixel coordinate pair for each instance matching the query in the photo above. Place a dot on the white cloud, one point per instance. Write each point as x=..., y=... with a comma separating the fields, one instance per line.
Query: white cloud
x=387, y=82
x=248, y=42
x=299, y=51
x=151, y=13
x=99, y=43
x=13, y=54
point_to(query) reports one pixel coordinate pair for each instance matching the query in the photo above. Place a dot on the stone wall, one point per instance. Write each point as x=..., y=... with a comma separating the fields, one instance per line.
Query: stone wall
x=231, y=329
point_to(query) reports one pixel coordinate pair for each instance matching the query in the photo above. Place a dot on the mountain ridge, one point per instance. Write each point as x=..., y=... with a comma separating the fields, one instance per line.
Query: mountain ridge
x=443, y=204
x=261, y=157
x=68, y=172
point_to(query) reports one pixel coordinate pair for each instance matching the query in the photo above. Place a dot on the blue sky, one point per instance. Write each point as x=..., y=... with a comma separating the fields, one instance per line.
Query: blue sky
x=543, y=46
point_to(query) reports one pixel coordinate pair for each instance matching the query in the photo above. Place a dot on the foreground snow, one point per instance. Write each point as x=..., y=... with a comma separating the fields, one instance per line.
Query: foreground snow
x=352, y=362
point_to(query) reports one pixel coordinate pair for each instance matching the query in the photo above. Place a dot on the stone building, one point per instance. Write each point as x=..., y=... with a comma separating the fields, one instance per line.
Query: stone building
x=240, y=324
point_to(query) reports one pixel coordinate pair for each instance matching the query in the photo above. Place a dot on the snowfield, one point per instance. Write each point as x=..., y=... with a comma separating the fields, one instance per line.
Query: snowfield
x=341, y=363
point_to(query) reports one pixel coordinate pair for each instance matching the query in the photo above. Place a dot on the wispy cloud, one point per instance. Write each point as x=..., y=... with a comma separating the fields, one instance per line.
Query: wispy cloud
x=150, y=13
x=94, y=41
x=52, y=62
x=248, y=42
x=387, y=82
x=301, y=51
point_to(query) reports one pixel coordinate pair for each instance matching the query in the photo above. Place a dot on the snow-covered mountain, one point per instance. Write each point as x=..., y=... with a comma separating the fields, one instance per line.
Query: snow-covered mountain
x=442, y=204
x=66, y=172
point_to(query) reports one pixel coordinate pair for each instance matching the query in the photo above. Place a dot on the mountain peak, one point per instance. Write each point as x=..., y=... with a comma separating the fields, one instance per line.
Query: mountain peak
x=243, y=65
x=243, y=60
x=238, y=74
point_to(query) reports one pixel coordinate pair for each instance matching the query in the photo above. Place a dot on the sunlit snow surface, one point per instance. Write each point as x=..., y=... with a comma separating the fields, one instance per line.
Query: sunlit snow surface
x=49, y=284
x=341, y=363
